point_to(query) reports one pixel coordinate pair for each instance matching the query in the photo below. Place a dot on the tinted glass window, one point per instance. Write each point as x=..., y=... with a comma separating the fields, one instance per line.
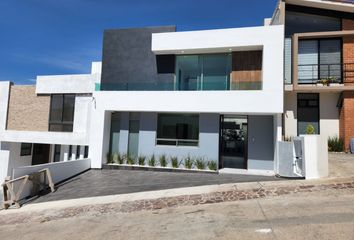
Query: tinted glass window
x=26, y=149
x=56, y=108
x=62, y=112
x=68, y=109
x=178, y=129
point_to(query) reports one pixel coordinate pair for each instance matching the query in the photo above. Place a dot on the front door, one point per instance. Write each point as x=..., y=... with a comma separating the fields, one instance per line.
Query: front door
x=233, y=142
x=40, y=154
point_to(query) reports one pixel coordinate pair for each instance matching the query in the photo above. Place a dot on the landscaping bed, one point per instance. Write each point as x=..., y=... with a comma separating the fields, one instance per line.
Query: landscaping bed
x=156, y=169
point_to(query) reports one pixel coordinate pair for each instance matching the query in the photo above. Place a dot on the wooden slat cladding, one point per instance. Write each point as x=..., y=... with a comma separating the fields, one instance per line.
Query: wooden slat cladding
x=27, y=111
x=246, y=70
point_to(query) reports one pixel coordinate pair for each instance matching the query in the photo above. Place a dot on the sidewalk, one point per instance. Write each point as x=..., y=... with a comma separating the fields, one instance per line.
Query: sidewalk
x=169, y=198
x=172, y=198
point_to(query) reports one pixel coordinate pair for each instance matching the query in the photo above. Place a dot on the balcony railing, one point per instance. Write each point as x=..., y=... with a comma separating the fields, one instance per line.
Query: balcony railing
x=190, y=84
x=315, y=73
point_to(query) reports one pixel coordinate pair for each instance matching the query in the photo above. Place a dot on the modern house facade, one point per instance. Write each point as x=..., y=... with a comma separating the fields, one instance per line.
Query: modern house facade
x=223, y=95
x=47, y=122
x=318, y=67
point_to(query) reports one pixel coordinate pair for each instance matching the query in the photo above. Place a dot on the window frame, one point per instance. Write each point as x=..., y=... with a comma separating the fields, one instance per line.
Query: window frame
x=319, y=40
x=57, y=153
x=26, y=151
x=177, y=142
x=200, y=78
x=61, y=122
x=307, y=105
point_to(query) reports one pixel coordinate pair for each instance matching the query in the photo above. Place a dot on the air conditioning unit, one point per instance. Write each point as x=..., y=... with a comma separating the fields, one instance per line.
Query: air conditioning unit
x=352, y=145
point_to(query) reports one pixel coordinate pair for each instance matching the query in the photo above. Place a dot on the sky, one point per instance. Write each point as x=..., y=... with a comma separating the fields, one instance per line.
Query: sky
x=53, y=37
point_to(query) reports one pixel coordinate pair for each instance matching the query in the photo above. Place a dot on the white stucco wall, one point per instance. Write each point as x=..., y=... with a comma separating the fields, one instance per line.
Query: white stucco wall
x=10, y=158
x=218, y=40
x=4, y=101
x=329, y=114
x=316, y=156
x=74, y=83
x=82, y=114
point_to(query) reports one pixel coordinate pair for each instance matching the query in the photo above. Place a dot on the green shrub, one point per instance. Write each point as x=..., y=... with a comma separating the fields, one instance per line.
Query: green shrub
x=335, y=144
x=200, y=164
x=310, y=129
x=109, y=157
x=121, y=158
x=141, y=160
x=188, y=162
x=175, y=163
x=152, y=161
x=212, y=165
x=131, y=160
x=163, y=160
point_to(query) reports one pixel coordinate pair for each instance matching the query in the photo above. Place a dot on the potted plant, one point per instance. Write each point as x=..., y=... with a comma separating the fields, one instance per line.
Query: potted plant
x=324, y=82
x=333, y=81
x=310, y=129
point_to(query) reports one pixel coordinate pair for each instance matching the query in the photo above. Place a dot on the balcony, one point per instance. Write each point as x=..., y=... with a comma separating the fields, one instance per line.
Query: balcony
x=317, y=62
x=325, y=74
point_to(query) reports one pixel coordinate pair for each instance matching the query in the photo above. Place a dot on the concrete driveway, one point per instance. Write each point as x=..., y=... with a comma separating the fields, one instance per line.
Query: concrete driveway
x=110, y=182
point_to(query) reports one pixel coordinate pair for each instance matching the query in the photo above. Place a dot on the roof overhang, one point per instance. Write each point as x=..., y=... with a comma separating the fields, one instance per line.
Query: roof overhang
x=324, y=4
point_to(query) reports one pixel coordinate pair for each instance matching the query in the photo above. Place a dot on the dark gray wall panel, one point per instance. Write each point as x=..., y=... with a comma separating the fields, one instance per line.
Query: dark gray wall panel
x=128, y=62
x=260, y=142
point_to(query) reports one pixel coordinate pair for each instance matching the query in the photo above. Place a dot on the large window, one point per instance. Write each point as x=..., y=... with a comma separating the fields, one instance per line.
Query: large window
x=62, y=112
x=319, y=59
x=203, y=72
x=178, y=129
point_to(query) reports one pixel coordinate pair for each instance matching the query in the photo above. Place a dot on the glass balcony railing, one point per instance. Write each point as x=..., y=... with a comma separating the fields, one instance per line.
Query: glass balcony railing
x=187, y=85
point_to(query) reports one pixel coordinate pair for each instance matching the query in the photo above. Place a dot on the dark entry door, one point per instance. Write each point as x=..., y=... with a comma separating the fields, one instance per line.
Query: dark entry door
x=233, y=142
x=40, y=154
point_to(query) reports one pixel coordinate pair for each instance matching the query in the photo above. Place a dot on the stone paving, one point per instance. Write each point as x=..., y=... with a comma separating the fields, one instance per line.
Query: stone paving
x=105, y=182
x=169, y=202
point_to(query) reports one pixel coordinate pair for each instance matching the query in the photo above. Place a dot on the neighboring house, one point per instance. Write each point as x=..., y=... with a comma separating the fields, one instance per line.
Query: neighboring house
x=221, y=95
x=48, y=122
x=319, y=47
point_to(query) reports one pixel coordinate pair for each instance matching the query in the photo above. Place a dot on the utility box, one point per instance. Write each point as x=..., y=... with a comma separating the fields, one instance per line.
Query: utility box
x=352, y=145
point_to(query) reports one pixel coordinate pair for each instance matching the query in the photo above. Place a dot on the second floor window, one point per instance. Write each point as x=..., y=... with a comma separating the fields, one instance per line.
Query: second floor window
x=320, y=59
x=62, y=112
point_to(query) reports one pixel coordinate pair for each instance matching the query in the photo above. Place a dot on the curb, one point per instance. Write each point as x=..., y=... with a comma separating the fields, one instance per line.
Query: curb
x=177, y=192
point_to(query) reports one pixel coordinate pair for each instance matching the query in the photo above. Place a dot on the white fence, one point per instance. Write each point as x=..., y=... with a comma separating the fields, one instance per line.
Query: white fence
x=59, y=171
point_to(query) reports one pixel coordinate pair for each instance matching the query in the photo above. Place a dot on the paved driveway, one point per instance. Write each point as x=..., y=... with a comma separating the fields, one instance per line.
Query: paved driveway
x=109, y=182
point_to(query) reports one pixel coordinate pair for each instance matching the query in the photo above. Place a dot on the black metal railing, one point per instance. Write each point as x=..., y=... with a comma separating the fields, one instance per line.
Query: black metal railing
x=322, y=73
x=315, y=73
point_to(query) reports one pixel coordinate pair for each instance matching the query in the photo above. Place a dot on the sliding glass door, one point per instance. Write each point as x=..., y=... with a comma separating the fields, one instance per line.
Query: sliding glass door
x=203, y=72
